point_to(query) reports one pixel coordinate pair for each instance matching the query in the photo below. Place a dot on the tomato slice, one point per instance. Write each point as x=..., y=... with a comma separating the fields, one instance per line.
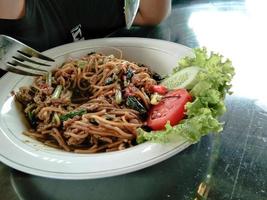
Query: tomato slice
x=171, y=108
x=160, y=89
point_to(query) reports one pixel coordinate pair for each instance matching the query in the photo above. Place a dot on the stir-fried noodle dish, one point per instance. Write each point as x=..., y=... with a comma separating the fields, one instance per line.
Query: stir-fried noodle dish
x=92, y=104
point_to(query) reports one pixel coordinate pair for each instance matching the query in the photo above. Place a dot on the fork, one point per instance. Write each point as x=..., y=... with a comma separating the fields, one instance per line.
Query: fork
x=21, y=59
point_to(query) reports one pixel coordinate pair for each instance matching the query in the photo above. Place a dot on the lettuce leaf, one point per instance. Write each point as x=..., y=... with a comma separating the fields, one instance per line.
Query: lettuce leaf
x=208, y=93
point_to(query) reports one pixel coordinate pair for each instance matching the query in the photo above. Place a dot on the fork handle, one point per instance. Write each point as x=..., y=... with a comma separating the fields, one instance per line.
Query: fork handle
x=4, y=45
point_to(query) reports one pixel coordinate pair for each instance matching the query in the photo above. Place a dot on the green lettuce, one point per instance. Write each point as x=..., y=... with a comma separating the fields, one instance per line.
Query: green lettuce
x=208, y=99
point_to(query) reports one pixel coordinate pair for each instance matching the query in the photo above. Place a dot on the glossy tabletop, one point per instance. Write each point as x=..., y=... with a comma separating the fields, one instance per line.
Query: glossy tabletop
x=228, y=166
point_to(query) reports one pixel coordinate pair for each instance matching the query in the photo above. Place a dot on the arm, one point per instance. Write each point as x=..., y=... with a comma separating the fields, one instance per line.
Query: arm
x=152, y=12
x=12, y=9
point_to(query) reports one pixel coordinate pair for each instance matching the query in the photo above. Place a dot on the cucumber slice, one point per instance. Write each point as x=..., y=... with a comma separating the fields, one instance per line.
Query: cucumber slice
x=186, y=78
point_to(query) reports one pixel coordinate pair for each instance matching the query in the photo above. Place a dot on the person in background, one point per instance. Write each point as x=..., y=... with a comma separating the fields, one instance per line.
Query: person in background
x=43, y=24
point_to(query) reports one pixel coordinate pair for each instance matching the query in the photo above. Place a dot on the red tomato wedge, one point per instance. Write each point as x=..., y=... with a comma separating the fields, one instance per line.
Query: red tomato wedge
x=160, y=89
x=171, y=108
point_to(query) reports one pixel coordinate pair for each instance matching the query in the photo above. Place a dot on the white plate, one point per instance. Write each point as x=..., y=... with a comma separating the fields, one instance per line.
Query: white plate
x=30, y=156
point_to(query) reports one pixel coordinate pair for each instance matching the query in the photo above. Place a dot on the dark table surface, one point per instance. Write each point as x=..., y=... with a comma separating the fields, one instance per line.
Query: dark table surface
x=233, y=165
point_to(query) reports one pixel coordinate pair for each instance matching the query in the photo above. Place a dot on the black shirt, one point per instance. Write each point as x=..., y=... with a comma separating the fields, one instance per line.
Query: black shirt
x=49, y=23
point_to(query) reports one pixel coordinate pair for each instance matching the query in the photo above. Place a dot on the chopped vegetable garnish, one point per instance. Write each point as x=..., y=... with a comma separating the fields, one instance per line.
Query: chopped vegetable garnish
x=155, y=98
x=118, y=96
x=49, y=78
x=129, y=74
x=72, y=114
x=57, y=92
x=32, y=119
x=56, y=119
x=133, y=103
x=82, y=63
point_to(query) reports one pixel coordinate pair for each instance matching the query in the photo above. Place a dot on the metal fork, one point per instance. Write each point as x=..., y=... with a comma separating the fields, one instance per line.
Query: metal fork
x=21, y=59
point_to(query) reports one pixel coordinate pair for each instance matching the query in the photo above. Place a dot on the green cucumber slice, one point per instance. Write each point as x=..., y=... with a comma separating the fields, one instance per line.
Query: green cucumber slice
x=185, y=78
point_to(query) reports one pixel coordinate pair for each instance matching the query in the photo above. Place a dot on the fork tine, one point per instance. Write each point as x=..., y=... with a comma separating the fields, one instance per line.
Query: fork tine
x=24, y=49
x=25, y=65
x=22, y=58
x=29, y=52
x=11, y=68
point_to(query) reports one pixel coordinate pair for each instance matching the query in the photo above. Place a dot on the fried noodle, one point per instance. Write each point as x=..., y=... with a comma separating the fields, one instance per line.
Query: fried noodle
x=90, y=113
